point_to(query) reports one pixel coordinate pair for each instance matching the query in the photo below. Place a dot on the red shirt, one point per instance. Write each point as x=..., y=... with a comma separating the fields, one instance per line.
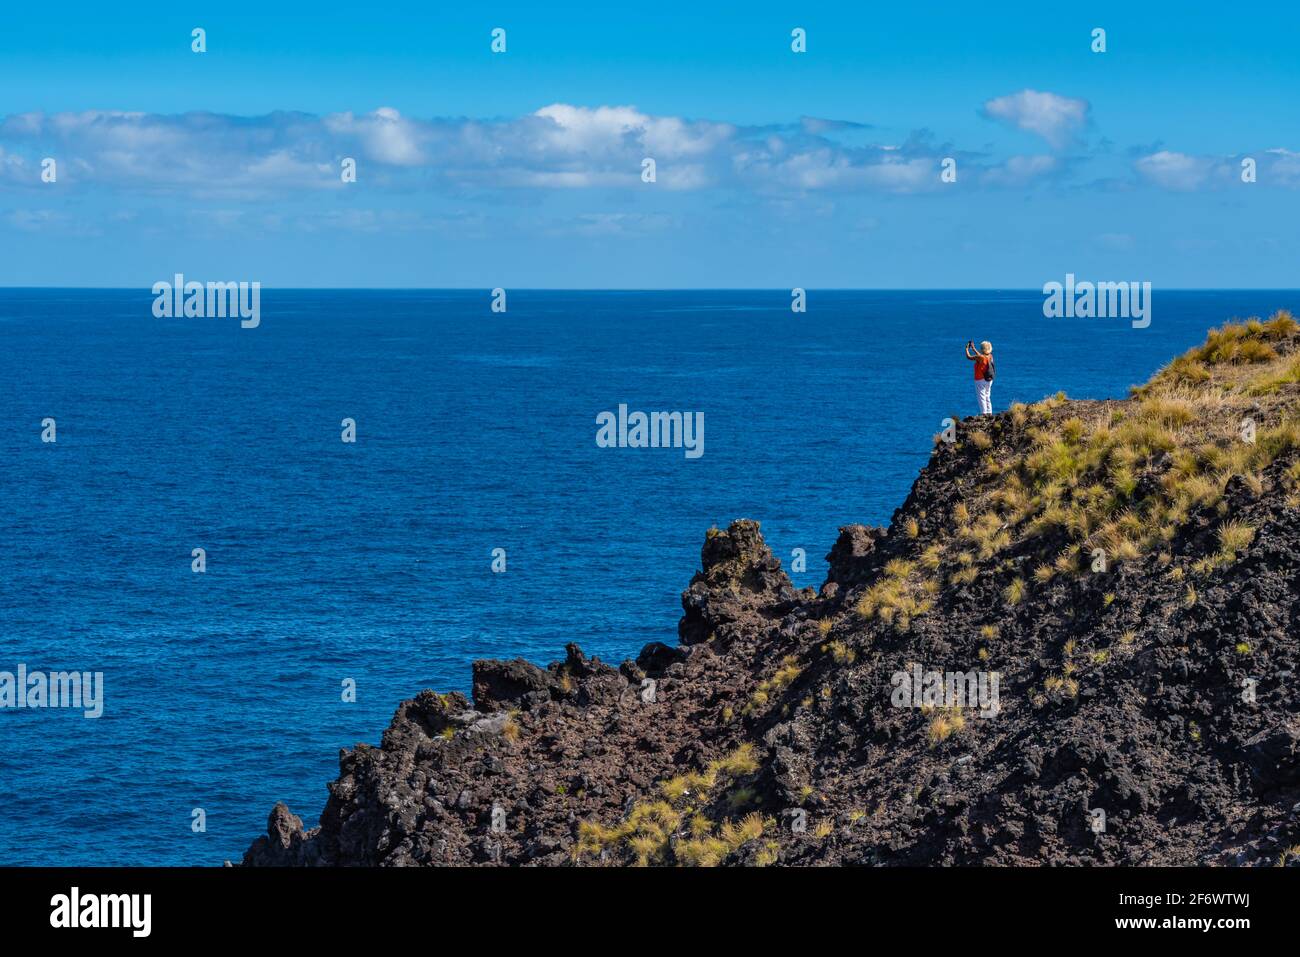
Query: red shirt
x=981, y=364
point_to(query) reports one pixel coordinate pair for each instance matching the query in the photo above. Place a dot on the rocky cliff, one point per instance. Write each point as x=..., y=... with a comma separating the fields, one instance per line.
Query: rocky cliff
x=1113, y=584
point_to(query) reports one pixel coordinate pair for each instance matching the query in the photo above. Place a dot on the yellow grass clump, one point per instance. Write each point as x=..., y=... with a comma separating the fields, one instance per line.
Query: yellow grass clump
x=1116, y=481
x=646, y=834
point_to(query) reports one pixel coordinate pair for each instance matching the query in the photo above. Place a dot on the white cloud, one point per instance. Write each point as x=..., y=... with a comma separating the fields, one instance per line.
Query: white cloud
x=1185, y=172
x=1283, y=168
x=1020, y=170
x=194, y=151
x=1055, y=118
x=384, y=135
x=605, y=130
x=560, y=147
x=834, y=169
x=10, y=165
x=1177, y=171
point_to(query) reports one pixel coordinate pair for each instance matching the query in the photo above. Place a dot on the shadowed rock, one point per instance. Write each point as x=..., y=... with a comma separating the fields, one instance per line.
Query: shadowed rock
x=498, y=684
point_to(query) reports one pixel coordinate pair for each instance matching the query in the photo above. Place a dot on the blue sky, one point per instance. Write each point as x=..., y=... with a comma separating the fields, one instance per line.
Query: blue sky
x=773, y=168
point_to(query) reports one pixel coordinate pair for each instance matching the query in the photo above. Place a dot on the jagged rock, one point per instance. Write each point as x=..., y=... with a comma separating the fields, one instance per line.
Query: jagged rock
x=500, y=684
x=851, y=559
x=1274, y=756
x=578, y=665
x=283, y=842
x=739, y=578
x=655, y=657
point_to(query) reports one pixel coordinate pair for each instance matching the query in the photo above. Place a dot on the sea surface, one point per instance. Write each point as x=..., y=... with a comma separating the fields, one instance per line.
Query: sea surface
x=372, y=561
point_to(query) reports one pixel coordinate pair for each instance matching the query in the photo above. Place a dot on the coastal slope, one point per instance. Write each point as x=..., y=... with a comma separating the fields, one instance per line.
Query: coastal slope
x=1122, y=574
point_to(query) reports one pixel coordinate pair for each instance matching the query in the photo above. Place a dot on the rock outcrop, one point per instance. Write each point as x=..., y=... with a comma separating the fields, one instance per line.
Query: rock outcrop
x=1123, y=576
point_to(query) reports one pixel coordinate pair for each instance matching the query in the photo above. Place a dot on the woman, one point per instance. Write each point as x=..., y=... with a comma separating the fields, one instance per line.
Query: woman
x=983, y=374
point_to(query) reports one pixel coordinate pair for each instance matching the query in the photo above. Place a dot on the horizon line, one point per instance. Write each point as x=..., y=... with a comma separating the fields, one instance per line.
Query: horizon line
x=782, y=289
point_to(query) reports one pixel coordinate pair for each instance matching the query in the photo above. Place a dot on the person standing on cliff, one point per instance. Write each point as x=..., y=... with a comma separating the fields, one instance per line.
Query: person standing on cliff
x=983, y=374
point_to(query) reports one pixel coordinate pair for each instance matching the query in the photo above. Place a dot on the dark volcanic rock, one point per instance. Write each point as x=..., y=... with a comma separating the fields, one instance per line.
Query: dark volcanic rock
x=740, y=577
x=1274, y=757
x=501, y=683
x=655, y=657
x=852, y=559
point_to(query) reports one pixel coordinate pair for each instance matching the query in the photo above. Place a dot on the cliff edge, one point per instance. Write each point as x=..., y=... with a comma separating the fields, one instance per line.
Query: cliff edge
x=1105, y=590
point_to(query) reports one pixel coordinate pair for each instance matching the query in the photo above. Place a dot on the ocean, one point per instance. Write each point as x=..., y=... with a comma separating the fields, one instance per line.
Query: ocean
x=370, y=564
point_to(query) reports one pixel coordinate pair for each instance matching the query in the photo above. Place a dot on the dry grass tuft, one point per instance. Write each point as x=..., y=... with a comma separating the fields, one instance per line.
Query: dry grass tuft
x=1120, y=479
x=944, y=725
x=897, y=596
x=646, y=834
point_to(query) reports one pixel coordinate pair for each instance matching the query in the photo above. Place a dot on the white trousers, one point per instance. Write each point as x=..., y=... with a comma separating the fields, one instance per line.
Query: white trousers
x=984, y=389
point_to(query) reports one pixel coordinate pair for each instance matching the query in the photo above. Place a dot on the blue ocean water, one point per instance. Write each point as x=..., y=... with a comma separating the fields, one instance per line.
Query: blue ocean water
x=372, y=561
